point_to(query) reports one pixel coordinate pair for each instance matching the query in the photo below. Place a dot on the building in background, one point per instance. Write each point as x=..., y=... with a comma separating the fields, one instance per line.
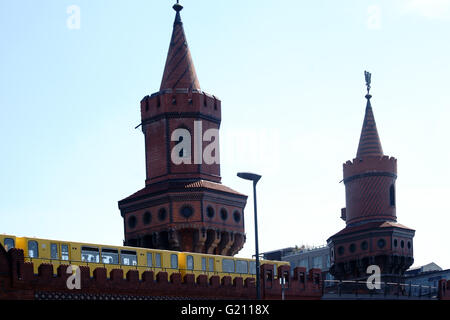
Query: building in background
x=426, y=278
x=308, y=257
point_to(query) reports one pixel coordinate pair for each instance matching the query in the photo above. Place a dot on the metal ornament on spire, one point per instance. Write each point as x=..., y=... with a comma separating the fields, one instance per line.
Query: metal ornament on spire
x=368, y=77
x=177, y=6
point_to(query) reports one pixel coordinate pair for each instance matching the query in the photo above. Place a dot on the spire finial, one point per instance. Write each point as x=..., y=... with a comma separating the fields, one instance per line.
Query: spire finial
x=368, y=77
x=177, y=6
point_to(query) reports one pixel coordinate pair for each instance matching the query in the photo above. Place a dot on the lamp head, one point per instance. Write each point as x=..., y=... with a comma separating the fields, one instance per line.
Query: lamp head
x=249, y=176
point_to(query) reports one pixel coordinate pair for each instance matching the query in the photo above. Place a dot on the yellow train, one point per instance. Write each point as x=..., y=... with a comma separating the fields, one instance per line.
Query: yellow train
x=56, y=252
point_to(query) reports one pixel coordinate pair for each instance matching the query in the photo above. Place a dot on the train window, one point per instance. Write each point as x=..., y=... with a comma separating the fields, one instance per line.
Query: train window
x=33, y=249
x=90, y=254
x=190, y=262
x=54, y=251
x=129, y=258
x=149, y=260
x=158, y=260
x=211, y=264
x=227, y=265
x=203, y=264
x=174, y=261
x=64, y=252
x=252, y=267
x=9, y=243
x=110, y=256
x=241, y=267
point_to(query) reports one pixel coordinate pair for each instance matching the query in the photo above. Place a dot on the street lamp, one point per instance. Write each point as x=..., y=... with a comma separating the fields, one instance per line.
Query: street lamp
x=255, y=178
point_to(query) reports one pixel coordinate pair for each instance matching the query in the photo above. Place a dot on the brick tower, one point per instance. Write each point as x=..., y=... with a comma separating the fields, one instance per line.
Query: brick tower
x=183, y=206
x=372, y=235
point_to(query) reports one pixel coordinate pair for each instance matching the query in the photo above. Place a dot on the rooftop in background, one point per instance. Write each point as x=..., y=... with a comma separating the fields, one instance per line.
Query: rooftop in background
x=430, y=267
x=280, y=253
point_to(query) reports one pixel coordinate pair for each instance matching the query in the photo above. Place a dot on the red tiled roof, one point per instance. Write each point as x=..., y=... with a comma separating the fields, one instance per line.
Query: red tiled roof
x=369, y=142
x=179, y=72
x=371, y=225
x=179, y=186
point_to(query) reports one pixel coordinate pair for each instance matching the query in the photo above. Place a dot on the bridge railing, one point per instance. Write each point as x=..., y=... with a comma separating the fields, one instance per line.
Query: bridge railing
x=380, y=289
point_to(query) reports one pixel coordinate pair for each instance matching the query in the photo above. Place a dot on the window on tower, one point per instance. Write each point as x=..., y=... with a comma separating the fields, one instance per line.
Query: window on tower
x=181, y=153
x=392, y=195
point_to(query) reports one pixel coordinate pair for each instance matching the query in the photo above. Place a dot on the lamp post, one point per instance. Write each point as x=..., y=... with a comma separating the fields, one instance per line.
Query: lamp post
x=255, y=178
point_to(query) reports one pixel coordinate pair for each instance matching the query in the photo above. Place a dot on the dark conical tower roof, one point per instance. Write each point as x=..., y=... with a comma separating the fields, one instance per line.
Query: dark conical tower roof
x=369, y=142
x=179, y=72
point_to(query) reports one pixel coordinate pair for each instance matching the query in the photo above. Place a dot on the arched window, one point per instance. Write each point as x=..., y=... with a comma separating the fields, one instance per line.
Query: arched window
x=33, y=249
x=224, y=214
x=162, y=214
x=210, y=212
x=392, y=195
x=132, y=222
x=147, y=218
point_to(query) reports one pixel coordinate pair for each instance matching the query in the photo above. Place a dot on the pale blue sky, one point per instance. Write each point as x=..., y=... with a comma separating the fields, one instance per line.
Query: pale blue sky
x=290, y=77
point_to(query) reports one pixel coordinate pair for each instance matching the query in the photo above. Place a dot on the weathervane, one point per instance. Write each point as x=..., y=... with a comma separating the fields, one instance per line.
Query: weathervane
x=368, y=76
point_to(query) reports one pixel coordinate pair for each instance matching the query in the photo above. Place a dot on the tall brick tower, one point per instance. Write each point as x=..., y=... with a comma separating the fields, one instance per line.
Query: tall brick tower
x=372, y=235
x=183, y=206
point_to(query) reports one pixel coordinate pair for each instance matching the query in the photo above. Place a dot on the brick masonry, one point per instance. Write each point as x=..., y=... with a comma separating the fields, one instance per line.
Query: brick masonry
x=17, y=281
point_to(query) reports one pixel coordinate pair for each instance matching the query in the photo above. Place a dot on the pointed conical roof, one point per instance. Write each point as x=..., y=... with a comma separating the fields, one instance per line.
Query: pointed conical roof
x=179, y=72
x=369, y=143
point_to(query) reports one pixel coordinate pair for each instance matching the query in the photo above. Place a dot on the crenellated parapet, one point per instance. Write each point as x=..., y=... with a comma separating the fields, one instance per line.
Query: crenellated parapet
x=20, y=282
x=369, y=164
x=171, y=102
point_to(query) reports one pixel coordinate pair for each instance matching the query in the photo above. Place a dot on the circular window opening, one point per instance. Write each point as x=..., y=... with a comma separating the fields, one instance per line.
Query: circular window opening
x=210, y=212
x=409, y=244
x=381, y=243
x=162, y=214
x=395, y=243
x=364, y=245
x=147, y=218
x=402, y=244
x=341, y=250
x=223, y=214
x=237, y=216
x=352, y=248
x=187, y=211
x=132, y=222
x=332, y=253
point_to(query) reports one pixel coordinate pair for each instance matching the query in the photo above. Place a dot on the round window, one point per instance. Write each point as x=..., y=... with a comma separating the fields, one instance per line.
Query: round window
x=132, y=222
x=237, y=216
x=395, y=243
x=381, y=243
x=352, y=248
x=187, y=211
x=223, y=214
x=341, y=250
x=402, y=244
x=210, y=212
x=409, y=244
x=147, y=218
x=364, y=245
x=162, y=214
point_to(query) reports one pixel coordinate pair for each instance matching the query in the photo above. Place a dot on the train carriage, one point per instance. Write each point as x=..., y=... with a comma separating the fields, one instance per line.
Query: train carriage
x=94, y=256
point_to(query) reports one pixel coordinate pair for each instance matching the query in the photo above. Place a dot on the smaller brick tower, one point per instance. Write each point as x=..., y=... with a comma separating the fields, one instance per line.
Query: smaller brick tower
x=372, y=235
x=183, y=205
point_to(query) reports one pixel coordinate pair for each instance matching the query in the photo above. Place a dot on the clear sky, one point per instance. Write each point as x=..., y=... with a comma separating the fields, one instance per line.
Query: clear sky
x=290, y=77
